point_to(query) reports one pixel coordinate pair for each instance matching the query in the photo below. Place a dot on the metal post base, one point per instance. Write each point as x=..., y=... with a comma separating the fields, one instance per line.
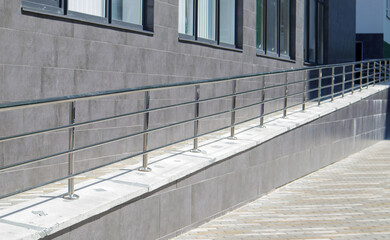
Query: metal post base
x=262, y=126
x=232, y=138
x=71, y=196
x=195, y=150
x=143, y=169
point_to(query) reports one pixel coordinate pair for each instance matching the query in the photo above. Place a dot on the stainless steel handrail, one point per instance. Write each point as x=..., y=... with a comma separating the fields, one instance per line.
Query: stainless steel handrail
x=372, y=71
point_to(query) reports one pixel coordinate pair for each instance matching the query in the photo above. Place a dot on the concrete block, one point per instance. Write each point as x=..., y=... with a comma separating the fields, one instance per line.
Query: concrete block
x=206, y=198
x=175, y=212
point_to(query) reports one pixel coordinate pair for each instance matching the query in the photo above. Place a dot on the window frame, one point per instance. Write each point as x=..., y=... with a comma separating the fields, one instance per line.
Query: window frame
x=44, y=7
x=291, y=35
x=217, y=43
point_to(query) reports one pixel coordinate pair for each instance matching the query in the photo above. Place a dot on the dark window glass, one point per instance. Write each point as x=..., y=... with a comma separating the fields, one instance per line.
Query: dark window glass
x=272, y=30
x=227, y=19
x=312, y=31
x=260, y=24
x=274, y=26
x=284, y=27
x=314, y=39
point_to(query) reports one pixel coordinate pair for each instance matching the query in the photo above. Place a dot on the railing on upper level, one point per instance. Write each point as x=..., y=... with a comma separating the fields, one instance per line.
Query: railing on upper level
x=311, y=84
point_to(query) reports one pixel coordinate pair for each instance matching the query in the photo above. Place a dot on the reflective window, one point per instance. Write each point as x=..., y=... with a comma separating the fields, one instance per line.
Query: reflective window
x=260, y=25
x=284, y=27
x=314, y=31
x=127, y=11
x=186, y=17
x=273, y=27
x=90, y=7
x=227, y=18
x=124, y=14
x=209, y=21
x=206, y=19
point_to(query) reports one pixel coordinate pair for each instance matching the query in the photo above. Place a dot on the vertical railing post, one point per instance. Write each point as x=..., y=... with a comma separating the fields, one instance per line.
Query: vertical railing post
x=145, y=167
x=384, y=78
x=380, y=71
x=233, y=115
x=319, y=85
x=332, y=86
x=196, y=122
x=285, y=95
x=353, y=79
x=374, y=74
x=72, y=115
x=368, y=74
x=262, y=104
x=304, y=91
x=343, y=83
x=361, y=76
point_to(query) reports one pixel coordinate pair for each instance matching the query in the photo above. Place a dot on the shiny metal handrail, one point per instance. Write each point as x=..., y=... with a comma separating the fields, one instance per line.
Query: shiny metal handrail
x=374, y=70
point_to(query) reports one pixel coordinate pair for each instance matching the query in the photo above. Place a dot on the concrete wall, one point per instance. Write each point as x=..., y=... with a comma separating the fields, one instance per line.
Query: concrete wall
x=46, y=57
x=217, y=188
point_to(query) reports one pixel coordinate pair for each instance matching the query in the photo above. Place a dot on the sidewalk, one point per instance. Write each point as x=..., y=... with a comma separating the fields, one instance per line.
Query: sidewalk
x=347, y=200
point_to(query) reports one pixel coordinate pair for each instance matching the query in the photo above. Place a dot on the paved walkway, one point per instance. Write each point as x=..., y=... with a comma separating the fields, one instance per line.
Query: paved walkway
x=347, y=200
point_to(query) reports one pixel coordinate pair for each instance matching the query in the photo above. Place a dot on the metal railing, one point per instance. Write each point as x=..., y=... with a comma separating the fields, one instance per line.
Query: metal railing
x=297, y=86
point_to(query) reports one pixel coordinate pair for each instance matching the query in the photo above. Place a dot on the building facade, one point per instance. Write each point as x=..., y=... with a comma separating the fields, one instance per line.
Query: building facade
x=63, y=47
x=372, y=29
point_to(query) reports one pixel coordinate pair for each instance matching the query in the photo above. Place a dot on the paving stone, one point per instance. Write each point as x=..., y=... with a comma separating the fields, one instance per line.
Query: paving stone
x=347, y=200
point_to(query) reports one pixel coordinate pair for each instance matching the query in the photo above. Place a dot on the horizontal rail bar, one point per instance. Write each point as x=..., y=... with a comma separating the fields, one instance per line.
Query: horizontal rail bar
x=73, y=98
x=117, y=92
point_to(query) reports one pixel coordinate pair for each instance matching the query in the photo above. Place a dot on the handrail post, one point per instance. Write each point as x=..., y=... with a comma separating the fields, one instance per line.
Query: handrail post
x=368, y=74
x=233, y=114
x=72, y=115
x=374, y=74
x=361, y=76
x=384, y=78
x=145, y=167
x=196, y=122
x=319, y=86
x=262, y=104
x=380, y=71
x=332, y=86
x=343, y=83
x=285, y=95
x=304, y=91
x=353, y=78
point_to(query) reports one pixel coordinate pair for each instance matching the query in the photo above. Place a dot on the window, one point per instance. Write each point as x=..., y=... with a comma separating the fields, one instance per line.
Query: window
x=274, y=27
x=129, y=14
x=314, y=31
x=388, y=9
x=217, y=22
